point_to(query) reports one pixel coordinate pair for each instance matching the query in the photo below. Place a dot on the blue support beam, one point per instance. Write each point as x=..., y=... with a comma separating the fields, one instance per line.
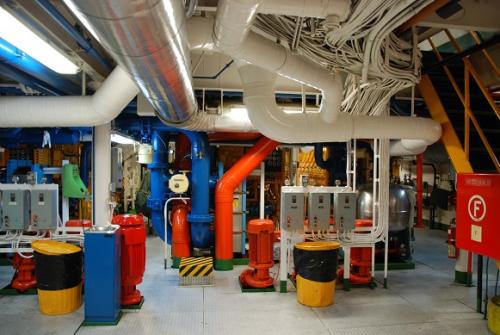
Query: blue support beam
x=13, y=57
x=73, y=32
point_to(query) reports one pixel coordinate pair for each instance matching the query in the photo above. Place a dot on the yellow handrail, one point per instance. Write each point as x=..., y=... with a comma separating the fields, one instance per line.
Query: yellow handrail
x=465, y=99
x=474, y=74
x=485, y=52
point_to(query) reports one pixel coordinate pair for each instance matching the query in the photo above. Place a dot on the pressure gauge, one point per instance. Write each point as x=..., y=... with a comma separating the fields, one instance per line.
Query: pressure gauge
x=178, y=183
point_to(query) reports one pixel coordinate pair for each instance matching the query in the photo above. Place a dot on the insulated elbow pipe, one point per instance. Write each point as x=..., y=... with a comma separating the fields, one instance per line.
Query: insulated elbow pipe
x=224, y=193
x=70, y=111
x=269, y=119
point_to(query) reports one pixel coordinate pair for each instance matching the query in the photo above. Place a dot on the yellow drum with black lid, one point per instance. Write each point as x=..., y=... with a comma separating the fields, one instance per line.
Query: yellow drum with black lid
x=58, y=271
x=316, y=268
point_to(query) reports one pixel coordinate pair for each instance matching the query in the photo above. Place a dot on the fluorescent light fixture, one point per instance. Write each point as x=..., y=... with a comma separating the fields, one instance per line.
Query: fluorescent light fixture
x=121, y=139
x=17, y=34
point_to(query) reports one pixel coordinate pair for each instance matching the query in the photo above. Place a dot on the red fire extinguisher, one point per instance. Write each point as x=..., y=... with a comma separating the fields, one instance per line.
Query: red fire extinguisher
x=452, y=233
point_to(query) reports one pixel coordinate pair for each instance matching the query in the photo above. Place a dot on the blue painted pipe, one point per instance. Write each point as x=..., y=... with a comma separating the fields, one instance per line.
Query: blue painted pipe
x=11, y=55
x=199, y=218
x=159, y=178
x=80, y=39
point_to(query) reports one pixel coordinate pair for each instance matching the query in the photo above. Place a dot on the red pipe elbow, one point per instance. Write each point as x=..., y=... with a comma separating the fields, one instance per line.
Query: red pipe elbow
x=224, y=193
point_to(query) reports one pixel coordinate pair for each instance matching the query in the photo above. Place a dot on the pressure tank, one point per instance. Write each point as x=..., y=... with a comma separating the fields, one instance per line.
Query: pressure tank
x=401, y=203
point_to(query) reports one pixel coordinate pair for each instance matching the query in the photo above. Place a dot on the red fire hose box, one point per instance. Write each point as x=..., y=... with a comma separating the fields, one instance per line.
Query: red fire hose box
x=133, y=255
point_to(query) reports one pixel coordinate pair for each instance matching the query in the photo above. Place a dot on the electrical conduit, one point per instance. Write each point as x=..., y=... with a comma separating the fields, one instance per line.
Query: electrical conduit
x=224, y=194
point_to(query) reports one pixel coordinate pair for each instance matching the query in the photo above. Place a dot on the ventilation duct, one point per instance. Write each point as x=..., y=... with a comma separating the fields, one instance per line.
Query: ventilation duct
x=148, y=39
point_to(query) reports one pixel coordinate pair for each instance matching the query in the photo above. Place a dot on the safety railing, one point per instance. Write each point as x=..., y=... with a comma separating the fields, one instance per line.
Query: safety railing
x=464, y=96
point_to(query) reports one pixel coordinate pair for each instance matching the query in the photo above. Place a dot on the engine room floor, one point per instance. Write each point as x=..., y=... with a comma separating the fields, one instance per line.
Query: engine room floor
x=420, y=301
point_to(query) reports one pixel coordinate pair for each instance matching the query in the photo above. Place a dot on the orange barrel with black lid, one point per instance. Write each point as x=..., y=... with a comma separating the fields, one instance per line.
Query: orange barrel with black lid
x=58, y=272
x=133, y=255
x=316, y=268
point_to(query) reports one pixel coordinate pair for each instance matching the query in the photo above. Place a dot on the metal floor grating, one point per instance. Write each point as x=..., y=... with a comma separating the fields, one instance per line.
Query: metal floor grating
x=420, y=301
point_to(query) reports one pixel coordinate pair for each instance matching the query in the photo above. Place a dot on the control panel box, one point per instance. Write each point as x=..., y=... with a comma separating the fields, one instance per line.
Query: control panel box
x=44, y=206
x=344, y=210
x=292, y=207
x=319, y=208
x=478, y=212
x=15, y=206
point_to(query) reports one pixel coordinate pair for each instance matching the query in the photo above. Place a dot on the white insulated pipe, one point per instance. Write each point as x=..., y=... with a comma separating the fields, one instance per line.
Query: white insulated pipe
x=231, y=35
x=260, y=51
x=102, y=175
x=271, y=121
x=110, y=99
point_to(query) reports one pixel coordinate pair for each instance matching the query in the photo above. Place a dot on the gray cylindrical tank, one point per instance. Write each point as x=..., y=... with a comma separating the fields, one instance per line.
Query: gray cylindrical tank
x=401, y=202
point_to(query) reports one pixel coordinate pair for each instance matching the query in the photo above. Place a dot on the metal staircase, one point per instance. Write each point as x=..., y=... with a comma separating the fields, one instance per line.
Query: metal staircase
x=456, y=97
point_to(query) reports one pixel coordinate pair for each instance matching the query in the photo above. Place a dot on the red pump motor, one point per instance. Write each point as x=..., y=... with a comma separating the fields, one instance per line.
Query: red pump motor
x=24, y=278
x=361, y=259
x=133, y=254
x=260, y=240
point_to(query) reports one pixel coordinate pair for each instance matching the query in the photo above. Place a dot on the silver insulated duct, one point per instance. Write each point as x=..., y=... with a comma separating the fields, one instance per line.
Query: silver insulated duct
x=148, y=38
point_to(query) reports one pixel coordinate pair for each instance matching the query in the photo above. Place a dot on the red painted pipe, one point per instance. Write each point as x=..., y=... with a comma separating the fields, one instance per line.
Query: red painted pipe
x=223, y=136
x=419, y=182
x=182, y=152
x=224, y=193
x=180, y=232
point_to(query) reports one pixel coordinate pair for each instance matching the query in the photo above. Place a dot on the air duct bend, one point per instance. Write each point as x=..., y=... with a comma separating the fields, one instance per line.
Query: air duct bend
x=71, y=111
x=232, y=36
x=224, y=193
x=271, y=121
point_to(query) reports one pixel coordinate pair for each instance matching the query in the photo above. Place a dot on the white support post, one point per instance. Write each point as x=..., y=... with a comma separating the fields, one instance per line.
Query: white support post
x=65, y=201
x=101, y=175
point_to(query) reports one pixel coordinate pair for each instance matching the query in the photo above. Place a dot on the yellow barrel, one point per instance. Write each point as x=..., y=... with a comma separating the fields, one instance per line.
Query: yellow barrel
x=316, y=267
x=494, y=315
x=58, y=271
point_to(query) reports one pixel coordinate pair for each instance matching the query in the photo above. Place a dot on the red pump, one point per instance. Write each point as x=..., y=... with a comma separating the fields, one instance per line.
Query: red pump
x=24, y=278
x=260, y=240
x=133, y=254
x=361, y=259
x=181, y=238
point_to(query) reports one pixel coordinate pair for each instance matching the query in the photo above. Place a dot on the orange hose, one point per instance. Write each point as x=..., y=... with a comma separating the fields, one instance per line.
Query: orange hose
x=224, y=193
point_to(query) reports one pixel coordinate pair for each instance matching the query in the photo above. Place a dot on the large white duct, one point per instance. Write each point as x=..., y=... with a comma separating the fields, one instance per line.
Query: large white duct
x=270, y=120
x=70, y=111
x=232, y=36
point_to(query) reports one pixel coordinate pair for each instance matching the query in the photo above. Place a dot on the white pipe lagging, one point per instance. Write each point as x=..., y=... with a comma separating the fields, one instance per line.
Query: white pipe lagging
x=104, y=105
x=271, y=121
x=232, y=36
x=102, y=175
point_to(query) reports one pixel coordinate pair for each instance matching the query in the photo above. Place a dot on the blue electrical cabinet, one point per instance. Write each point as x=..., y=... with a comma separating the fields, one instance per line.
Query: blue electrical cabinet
x=102, y=275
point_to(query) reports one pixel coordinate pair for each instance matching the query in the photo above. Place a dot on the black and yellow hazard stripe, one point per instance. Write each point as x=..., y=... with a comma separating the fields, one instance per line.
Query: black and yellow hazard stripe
x=196, y=267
